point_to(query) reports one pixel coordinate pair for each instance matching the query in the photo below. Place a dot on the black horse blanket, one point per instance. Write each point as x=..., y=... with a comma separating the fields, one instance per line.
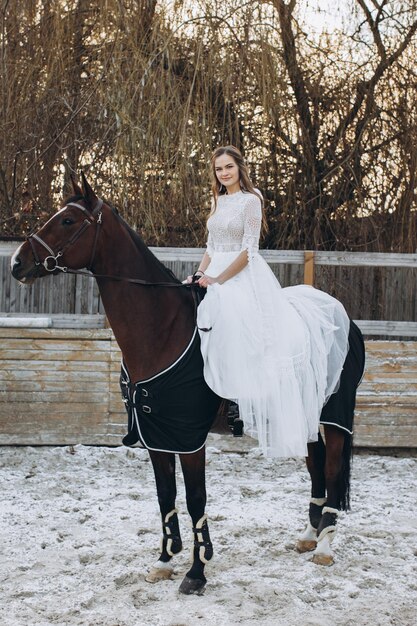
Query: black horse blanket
x=340, y=407
x=174, y=410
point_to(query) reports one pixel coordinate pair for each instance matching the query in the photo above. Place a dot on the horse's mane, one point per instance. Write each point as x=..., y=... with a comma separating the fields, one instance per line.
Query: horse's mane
x=135, y=237
x=141, y=245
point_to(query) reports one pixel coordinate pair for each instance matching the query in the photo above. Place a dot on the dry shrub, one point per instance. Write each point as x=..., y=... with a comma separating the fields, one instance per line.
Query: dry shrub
x=137, y=93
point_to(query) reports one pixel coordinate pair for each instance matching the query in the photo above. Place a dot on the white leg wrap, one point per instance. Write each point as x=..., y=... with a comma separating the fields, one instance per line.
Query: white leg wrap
x=324, y=543
x=201, y=521
x=310, y=534
x=199, y=537
x=328, y=509
x=318, y=501
x=162, y=565
x=168, y=532
x=328, y=532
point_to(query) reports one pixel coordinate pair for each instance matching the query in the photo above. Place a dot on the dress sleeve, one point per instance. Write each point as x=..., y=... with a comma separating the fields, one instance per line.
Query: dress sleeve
x=252, y=225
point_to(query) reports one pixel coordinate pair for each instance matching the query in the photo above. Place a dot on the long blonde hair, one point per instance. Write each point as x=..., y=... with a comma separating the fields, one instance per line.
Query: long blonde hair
x=244, y=180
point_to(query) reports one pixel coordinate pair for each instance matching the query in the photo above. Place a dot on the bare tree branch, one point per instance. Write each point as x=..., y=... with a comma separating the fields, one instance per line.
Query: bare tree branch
x=373, y=25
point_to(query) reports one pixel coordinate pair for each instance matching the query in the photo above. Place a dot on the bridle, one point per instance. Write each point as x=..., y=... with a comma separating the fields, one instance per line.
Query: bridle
x=93, y=217
x=96, y=217
x=50, y=262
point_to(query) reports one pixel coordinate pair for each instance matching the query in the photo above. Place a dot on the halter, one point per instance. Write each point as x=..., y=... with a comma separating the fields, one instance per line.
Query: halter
x=50, y=263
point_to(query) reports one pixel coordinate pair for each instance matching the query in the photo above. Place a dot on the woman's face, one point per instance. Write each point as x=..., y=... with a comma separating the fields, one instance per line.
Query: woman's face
x=227, y=172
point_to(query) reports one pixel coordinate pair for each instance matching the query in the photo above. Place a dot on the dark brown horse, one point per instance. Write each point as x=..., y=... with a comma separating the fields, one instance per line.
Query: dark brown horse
x=153, y=319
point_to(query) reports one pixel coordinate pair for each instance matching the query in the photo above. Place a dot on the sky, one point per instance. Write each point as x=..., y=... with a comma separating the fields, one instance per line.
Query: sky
x=323, y=14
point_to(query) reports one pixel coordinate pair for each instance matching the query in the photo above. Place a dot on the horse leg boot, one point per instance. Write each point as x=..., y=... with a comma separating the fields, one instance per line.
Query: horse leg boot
x=171, y=544
x=326, y=530
x=193, y=467
x=195, y=580
x=315, y=464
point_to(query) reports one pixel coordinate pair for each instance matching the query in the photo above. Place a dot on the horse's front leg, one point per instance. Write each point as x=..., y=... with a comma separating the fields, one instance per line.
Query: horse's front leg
x=315, y=462
x=194, y=467
x=171, y=544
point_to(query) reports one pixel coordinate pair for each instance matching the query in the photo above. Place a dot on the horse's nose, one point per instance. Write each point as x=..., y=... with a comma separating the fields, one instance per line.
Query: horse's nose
x=16, y=264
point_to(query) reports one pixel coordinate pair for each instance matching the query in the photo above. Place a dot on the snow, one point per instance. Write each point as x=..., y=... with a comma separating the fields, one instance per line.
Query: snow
x=81, y=528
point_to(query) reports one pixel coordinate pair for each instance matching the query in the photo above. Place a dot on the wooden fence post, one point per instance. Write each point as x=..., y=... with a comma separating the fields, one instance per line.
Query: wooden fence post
x=309, y=267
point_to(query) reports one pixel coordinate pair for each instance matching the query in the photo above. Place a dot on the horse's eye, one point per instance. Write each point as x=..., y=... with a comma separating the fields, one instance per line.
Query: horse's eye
x=67, y=221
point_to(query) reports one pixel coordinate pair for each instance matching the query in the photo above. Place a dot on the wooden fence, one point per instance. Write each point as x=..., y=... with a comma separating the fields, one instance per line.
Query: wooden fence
x=59, y=364
x=61, y=386
x=372, y=286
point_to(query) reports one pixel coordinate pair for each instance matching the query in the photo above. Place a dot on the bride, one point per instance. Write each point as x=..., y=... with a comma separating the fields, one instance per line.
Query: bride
x=277, y=352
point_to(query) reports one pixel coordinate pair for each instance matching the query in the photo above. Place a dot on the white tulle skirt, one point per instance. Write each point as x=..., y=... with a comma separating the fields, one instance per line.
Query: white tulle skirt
x=277, y=352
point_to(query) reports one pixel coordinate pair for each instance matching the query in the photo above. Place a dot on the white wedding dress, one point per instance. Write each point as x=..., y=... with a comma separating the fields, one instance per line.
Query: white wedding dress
x=277, y=352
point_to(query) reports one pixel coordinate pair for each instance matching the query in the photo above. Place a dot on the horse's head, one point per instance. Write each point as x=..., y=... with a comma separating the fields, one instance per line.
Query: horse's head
x=67, y=240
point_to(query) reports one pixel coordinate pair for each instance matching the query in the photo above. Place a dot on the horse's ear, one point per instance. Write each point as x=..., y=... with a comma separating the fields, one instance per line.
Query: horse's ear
x=87, y=192
x=75, y=187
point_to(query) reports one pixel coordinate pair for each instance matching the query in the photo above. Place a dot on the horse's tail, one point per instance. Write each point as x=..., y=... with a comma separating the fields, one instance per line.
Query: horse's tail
x=345, y=472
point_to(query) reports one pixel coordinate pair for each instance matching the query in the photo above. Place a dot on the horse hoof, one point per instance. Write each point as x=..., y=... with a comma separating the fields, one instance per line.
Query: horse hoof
x=304, y=545
x=157, y=574
x=323, y=559
x=192, y=585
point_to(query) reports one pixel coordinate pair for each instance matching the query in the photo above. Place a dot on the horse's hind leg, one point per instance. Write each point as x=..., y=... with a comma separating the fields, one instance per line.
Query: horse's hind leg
x=171, y=544
x=194, y=467
x=316, y=467
x=336, y=474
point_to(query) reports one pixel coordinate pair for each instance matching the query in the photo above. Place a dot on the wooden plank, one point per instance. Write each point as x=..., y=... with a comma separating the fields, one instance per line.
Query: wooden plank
x=114, y=386
x=78, y=385
x=55, y=352
x=59, y=425
x=25, y=322
x=391, y=348
x=402, y=418
x=309, y=267
x=370, y=414
x=380, y=259
x=55, y=367
x=391, y=386
x=39, y=394
x=49, y=375
x=394, y=367
x=50, y=344
x=57, y=333
x=392, y=328
x=82, y=321
x=372, y=437
x=388, y=350
x=367, y=259
x=47, y=412
x=392, y=378
x=388, y=398
x=56, y=396
x=117, y=406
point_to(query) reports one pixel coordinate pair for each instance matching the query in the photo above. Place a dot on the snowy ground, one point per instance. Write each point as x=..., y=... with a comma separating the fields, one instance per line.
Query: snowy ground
x=80, y=530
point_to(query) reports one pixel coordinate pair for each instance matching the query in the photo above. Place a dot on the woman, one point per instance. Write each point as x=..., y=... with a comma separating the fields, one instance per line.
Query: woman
x=277, y=352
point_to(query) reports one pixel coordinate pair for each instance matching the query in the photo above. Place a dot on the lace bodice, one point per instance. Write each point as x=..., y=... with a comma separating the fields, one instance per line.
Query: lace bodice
x=235, y=225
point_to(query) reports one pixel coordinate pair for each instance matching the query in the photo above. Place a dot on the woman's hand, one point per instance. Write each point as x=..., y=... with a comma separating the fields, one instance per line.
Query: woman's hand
x=204, y=281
